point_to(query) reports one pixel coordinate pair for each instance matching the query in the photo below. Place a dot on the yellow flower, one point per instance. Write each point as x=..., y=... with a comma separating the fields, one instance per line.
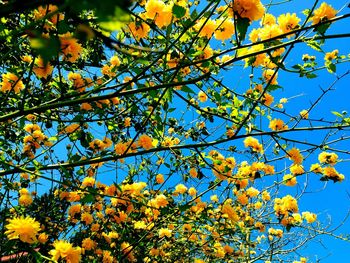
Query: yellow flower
x=205, y=27
x=267, y=75
x=23, y=228
x=63, y=249
x=202, y=96
x=309, y=217
x=277, y=125
x=145, y=142
x=88, y=244
x=295, y=155
x=288, y=22
x=251, y=9
x=270, y=31
x=164, y=232
x=41, y=69
x=42, y=238
x=316, y=168
x=324, y=12
x=87, y=218
x=180, y=189
x=161, y=201
x=159, y=12
x=290, y=180
x=268, y=19
x=225, y=30
x=25, y=200
x=328, y=158
x=159, y=178
x=252, y=192
x=296, y=169
x=268, y=99
x=11, y=82
x=70, y=48
x=139, y=30
x=253, y=144
x=304, y=114
x=88, y=182
x=140, y=225
x=331, y=55
x=192, y=191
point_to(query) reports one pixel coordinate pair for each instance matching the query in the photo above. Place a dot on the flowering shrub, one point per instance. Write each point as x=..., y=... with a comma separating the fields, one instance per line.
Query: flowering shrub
x=156, y=130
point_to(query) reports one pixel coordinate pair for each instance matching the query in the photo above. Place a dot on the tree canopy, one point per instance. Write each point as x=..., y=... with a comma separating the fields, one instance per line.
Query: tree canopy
x=168, y=131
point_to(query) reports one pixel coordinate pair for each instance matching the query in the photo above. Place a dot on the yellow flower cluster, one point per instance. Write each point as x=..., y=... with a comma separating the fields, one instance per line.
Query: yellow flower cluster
x=25, y=198
x=324, y=12
x=65, y=250
x=23, y=228
x=277, y=125
x=251, y=9
x=34, y=140
x=253, y=144
x=10, y=82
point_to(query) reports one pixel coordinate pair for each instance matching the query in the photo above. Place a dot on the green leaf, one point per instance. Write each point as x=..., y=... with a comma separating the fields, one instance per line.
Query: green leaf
x=187, y=89
x=311, y=75
x=314, y=45
x=242, y=27
x=337, y=114
x=274, y=87
x=178, y=11
x=89, y=198
x=331, y=68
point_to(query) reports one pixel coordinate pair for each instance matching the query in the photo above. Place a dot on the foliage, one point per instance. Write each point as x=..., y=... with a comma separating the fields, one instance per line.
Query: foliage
x=125, y=137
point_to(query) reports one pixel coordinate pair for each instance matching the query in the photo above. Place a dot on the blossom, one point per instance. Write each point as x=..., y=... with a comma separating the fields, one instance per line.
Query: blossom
x=288, y=22
x=268, y=19
x=270, y=31
x=253, y=144
x=23, y=228
x=328, y=158
x=159, y=178
x=180, y=189
x=202, y=96
x=295, y=155
x=270, y=76
x=159, y=12
x=161, y=201
x=331, y=55
x=277, y=125
x=290, y=180
x=88, y=182
x=304, y=114
x=11, y=82
x=42, y=69
x=309, y=217
x=43, y=237
x=324, y=12
x=192, y=191
x=65, y=250
x=140, y=225
x=164, y=232
x=251, y=9
x=225, y=30
x=205, y=27
x=145, y=142
x=87, y=218
x=70, y=48
x=25, y=200
x=139, y=30
x=88, y=244
x=252, y=192
x=296, y=169
x=268, y=99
